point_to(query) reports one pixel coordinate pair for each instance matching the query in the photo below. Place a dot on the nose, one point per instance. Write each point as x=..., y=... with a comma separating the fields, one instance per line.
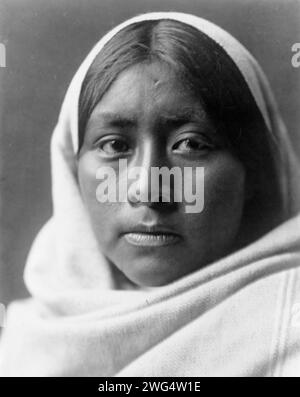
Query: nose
x=149, y=187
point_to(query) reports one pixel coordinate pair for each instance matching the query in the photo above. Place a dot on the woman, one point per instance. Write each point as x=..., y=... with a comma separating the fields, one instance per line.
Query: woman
x=141, y=287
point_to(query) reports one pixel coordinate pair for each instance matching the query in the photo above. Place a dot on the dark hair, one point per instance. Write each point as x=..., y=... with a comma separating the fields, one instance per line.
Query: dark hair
x=205, y=69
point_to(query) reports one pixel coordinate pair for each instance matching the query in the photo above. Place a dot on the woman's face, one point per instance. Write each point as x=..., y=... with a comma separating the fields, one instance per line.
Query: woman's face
x=150, y=119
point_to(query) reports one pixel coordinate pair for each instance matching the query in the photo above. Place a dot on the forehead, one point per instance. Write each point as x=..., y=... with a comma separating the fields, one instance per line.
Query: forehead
x=149, y=89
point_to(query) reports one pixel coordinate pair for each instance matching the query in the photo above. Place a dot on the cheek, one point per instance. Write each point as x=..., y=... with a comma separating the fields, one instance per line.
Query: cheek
x=224, y=186
x=87, y=168
x=101, y=214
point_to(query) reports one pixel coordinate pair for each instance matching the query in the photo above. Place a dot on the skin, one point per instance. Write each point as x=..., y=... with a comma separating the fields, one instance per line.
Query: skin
x=140, y=122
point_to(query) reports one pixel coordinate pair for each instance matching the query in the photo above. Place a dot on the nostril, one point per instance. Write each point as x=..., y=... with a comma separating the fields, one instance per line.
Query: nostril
x=150, y=190
x=161, y=197
x=159, y=202
x=134, y=199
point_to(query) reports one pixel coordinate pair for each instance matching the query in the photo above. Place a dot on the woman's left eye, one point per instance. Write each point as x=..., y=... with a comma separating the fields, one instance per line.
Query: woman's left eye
x=191, y=145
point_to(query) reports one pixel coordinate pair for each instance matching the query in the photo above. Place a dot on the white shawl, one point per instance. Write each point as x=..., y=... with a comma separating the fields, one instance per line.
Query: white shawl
x=239, y=316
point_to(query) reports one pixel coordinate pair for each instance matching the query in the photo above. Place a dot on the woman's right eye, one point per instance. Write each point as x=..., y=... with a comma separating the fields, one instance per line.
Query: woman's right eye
x=113, y=147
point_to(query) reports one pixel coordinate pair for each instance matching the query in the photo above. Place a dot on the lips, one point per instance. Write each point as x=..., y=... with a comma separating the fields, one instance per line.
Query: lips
x=150, y=236
x=151, y=240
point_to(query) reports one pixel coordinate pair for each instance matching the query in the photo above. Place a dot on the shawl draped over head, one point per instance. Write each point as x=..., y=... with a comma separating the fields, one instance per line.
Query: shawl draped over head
x=239, y=316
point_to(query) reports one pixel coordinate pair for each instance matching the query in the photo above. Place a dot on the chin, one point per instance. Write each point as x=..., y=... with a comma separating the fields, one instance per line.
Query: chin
x=147, y=273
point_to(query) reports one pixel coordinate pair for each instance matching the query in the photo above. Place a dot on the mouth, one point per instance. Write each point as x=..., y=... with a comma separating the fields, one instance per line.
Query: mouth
x=154, y=236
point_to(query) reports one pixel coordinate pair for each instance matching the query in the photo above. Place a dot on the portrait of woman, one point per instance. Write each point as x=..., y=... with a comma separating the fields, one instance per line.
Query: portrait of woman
x=144, y=287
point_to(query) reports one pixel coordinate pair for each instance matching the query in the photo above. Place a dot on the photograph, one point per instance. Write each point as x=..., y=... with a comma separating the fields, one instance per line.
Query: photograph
x=149, y=191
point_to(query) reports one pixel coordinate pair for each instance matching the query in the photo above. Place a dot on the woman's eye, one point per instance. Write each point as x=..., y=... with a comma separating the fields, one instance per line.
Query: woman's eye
x=114, y=147
x=191, y=145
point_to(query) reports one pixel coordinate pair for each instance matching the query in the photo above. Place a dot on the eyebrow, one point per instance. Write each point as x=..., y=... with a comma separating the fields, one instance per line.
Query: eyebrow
x=166, y=120
x=183, y=116
x=116, y=119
